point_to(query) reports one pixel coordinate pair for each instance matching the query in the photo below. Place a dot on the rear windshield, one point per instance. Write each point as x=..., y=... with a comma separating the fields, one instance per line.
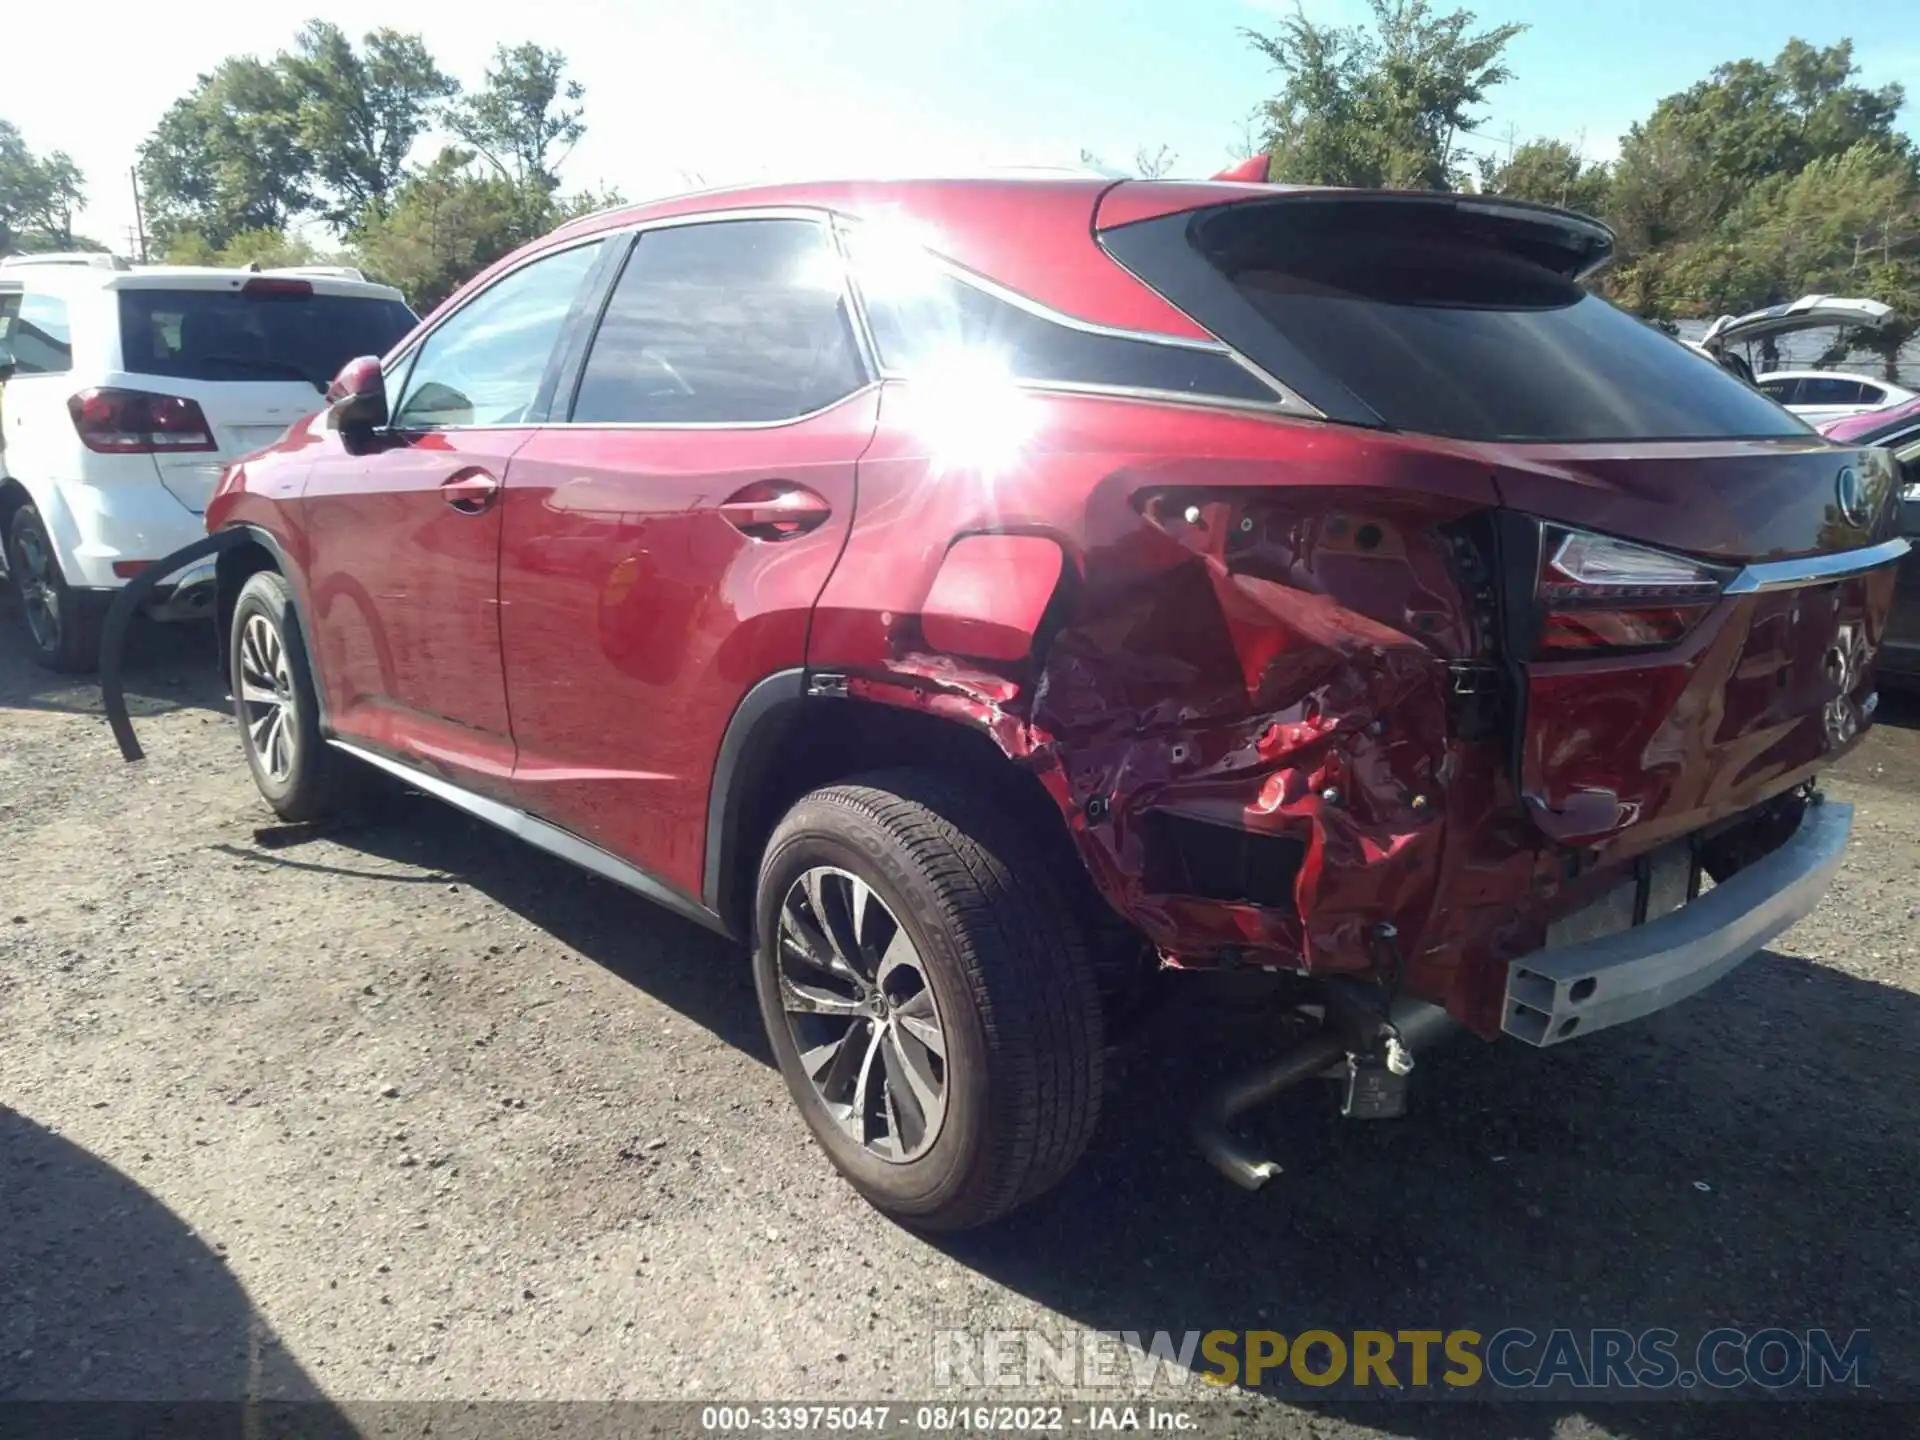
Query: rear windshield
x=1435, y=326
x=227, y=335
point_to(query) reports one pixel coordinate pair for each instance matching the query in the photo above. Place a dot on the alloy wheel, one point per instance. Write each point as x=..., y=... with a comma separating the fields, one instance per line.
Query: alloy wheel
x=266, y=698
x=35, y=582
x=862, y=1014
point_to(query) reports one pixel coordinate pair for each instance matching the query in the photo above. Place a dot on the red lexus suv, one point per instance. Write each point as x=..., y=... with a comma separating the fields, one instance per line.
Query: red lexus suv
x=978, y=596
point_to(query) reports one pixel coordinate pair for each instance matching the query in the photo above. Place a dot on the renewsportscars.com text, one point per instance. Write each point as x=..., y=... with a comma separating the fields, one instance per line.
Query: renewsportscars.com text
x=1383, y=1363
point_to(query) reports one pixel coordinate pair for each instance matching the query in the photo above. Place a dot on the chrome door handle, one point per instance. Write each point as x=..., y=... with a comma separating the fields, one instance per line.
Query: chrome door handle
x=470, y=492
x=775, y=510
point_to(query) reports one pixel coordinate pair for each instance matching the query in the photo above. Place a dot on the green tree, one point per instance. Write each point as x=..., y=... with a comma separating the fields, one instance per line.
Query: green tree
x=1844, y=224
x=446, y=223
x=452, y=219
x=360, y=112
x=37, y=196
x=1384, y=105
x=228, y=157
x=1707, y=151
x=1549, y=171
x=526, y=109
x=269, y=249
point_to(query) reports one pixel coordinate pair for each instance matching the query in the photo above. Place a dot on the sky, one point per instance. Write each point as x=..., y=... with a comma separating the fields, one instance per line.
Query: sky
x=684, y=93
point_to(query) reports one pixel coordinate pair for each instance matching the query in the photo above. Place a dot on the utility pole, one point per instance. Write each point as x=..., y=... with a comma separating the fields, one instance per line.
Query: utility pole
x=139, y=220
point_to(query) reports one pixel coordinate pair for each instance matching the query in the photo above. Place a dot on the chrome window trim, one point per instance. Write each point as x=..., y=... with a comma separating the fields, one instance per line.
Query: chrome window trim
x=1775, y=575
x=839, y=226
x=1147, y=393
x=1285, y=400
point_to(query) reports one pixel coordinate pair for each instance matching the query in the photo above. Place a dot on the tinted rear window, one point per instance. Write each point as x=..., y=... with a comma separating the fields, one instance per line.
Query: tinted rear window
x=1435, y=326
x=226, y=335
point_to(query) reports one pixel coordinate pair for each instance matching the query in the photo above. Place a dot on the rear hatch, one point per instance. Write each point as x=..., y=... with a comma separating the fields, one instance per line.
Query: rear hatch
x=1689, y=583
x=1809, y=312
x=254, y=353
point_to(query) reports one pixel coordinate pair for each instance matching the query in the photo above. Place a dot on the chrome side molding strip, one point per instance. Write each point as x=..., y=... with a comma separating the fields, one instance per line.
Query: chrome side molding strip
x=1814, y=569
x=539, y=833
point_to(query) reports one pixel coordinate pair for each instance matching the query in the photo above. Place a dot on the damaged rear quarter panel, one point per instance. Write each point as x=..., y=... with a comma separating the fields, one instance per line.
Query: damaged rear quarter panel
x=1252, y=633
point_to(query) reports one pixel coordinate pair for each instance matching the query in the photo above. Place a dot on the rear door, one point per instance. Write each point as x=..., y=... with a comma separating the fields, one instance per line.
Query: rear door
x=255, y=353
x=664, y=545
x=404, y=539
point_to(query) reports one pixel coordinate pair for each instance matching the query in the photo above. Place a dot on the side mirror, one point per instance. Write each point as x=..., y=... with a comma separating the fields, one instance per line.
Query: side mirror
x=357, y=398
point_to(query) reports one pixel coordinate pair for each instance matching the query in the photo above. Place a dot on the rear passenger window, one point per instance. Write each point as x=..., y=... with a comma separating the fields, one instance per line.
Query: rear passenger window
x=484, y=363
x=35, y=337
x=1834, y=390
x=1780, y=390
x=723, y=323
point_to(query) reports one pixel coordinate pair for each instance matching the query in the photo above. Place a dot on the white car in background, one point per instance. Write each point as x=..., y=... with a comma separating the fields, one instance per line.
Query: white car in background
x=1814, y=395
x=125, y=391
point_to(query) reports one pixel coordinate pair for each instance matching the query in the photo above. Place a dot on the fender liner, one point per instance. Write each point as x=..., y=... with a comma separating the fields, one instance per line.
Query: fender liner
x=758, y=716
x=126, y=601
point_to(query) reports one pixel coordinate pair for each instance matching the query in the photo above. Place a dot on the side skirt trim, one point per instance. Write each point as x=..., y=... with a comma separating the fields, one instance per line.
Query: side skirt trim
x=543, y=836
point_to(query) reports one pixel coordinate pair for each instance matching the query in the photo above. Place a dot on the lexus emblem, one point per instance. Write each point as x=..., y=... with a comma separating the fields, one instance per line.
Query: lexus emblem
x=1851, y=496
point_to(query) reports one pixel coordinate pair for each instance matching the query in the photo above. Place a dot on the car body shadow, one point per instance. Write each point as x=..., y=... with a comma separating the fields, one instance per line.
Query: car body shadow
x=1735, y=1161
x=702, y=975
x=1745, y=1159
x=168, y=667
x=111, y=1297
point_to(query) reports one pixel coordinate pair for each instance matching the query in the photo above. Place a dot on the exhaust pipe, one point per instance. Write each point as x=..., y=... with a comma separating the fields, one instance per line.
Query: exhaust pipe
x=1415, y=1024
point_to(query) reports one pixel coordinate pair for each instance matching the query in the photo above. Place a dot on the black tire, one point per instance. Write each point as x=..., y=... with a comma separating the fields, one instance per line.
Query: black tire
x=1007, y=964
x=300, y=775
x=62, y=624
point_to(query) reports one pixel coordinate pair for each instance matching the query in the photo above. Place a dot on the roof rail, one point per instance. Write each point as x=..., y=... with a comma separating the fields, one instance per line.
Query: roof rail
x=336, y=272
x=95, y=259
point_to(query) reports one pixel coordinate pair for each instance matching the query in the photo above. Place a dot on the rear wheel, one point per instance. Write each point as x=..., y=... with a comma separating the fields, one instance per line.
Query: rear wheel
x=63, y=623
x=928, y=995
x=297, y=772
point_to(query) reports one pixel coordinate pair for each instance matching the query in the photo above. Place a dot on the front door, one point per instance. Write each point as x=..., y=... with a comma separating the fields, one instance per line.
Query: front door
x=665, y=546
x=403, y=568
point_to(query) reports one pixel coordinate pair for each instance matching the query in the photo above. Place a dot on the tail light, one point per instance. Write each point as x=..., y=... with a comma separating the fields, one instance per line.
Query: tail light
x=1596, y=593
x=135, y=422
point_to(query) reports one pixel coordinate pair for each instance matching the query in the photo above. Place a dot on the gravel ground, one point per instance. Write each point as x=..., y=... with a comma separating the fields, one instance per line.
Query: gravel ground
x=406, y=1111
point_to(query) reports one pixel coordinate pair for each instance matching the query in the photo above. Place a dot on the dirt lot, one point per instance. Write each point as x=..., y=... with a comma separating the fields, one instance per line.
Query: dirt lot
x=406, y=1111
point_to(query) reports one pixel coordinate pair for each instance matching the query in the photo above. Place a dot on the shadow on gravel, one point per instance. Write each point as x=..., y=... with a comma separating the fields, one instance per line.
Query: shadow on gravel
x=696, y=972
x=1748, y=1159
x=168, y=667
x=109, y=1296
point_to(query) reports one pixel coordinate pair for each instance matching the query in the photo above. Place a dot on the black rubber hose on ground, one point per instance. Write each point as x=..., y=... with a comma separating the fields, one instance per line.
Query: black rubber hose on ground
x=113, y=639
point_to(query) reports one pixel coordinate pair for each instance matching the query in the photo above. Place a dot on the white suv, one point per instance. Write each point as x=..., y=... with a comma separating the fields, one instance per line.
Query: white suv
x=124, y=392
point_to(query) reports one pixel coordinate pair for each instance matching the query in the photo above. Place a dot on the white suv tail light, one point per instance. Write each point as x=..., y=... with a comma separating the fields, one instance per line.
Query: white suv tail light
x=138, y=422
